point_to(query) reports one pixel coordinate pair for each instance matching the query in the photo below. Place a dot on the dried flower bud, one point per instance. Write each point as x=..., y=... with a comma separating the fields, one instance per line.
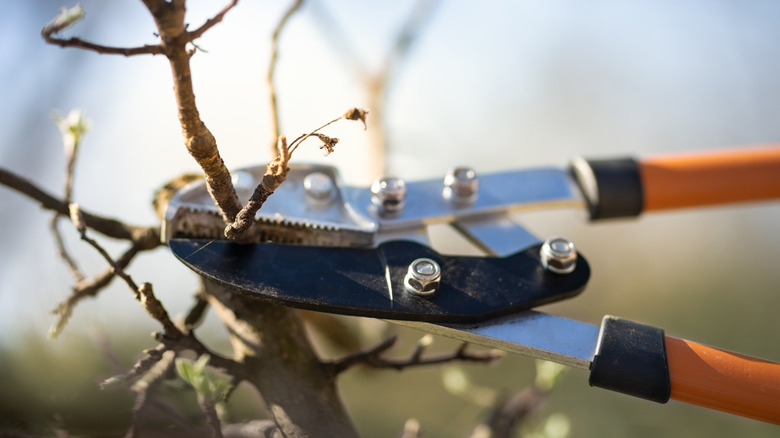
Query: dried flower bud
x=356, y=114
x=327, y=143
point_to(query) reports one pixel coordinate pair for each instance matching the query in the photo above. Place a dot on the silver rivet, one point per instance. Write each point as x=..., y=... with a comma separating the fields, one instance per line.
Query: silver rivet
x=318, y=186
x=423, y=277
x=559, y=255
x=388, y=194
x=460, y=186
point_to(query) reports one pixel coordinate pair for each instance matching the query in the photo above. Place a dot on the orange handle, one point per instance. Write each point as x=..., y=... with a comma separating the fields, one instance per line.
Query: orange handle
x=744, y=174
x=725, y=381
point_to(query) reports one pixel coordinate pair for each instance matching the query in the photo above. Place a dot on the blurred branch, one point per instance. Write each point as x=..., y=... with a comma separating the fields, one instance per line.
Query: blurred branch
x=152, y=356
x=145, y=237
x=272, y=70
x=88, y=288
x=373, y=357
x=78, y=221
x=197, y=33
x=196, y=312
x=377, y=84
x=511, y=413
x=411, y=429
x=514, y=411
x=62, y=250
x=72, y=128
x=145, y=388
x=154, y=49
x=67, y=17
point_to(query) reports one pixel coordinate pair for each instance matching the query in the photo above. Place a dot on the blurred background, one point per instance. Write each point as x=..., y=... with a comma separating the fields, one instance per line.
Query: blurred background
x=494, y=85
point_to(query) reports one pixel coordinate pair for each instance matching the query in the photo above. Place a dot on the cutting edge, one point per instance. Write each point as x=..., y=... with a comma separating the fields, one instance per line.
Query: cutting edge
x=530, y=333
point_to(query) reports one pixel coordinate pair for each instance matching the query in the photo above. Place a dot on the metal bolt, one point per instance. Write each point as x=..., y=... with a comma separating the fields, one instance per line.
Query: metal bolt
x=559, y=255
x=460, y=185
x=318, y=186
x=388, y=194
x=423, y=277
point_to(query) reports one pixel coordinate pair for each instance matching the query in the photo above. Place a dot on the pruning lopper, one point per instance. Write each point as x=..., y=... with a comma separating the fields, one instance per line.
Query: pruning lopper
x=320, y=245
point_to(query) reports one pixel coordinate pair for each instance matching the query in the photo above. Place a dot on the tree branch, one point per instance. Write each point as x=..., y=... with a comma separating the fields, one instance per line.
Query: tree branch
x=377, y=83
x=146, y=237
x=277, y=169
x=88, y=288
x=78, y=220
x=197, y=33
x=146, y=386
x=373, y=357
x=511, y=413
x=200, y=142
x=272, y=70
x=196, y=313
x=279, y=361
x=153, y=49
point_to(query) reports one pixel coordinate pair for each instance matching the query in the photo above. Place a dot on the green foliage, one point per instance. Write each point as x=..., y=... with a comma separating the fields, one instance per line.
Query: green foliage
x=548, y=374
x=206, y=385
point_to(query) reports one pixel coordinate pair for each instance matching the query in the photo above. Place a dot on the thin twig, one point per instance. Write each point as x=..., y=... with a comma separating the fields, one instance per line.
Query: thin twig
x=146, y=237
x=196, y=313
x=72, y=130
x=272, y=71
x=211, y=22
x=373, y=357
x=88, y=288
x=140, y=368
x=79, y=222
x=511, y=413
x=276, y=173
x=361, y=357
x=62, y=250
x=377, y=83
x=149, y=49
x=145, y=389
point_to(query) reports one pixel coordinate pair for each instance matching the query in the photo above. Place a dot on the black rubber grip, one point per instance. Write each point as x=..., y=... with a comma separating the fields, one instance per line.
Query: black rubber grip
x=631, y=359
x=612, y=188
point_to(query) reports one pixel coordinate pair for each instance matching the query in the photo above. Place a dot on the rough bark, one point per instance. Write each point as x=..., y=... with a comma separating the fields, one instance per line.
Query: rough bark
x=299, y=391
x=200, y=142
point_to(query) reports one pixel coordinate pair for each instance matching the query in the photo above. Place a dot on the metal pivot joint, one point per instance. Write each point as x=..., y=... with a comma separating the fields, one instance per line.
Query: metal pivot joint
x=423, y=277
x=558, y=255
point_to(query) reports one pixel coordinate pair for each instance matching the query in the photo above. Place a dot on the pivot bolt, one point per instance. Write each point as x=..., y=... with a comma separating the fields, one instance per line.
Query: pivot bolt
x=559, y=255
x=423, y=277
x=460, y=186
x=388, y=194
x=318, y=186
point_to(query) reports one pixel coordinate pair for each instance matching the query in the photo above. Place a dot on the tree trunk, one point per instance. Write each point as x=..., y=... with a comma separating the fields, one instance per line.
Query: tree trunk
x=298, y=390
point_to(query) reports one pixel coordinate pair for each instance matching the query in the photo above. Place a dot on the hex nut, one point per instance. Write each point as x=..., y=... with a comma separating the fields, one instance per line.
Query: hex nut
x=559, y=255
x=423, y=277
